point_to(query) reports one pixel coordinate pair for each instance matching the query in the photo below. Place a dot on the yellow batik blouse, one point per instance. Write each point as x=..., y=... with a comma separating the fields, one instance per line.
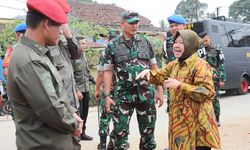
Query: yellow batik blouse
x=191, y=115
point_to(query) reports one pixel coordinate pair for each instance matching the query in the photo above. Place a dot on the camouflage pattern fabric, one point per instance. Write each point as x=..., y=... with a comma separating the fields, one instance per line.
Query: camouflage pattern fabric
x=191, y=117
x=215, y=57
x=146, y=116
x=113, y=33
x=167, y=50
x=105, y=117
x=128, y=59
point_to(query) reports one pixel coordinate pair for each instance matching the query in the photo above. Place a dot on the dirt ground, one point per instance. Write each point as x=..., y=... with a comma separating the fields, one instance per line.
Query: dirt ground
x=234, y=131
x=235, y=135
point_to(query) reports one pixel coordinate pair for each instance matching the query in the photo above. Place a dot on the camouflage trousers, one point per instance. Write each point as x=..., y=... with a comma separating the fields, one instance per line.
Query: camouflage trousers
x=216, y=103
x=146, y=117
x=104, y=120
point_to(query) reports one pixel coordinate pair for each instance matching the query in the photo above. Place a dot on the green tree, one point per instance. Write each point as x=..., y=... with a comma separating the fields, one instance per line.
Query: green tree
x=163, y=24
x=211, y=15
x=187, y=8
x=7, y=36
x=156, y=42
x=240, y=10
x=88, y=31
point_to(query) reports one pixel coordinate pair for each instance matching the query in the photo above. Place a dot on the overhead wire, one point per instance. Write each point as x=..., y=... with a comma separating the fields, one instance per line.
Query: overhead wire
x=11, y=7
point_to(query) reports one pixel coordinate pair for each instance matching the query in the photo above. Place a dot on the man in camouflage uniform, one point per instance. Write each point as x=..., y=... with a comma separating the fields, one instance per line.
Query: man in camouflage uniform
x=105, y=117
x=176, y=22
x=126, y=56
x=214, y=56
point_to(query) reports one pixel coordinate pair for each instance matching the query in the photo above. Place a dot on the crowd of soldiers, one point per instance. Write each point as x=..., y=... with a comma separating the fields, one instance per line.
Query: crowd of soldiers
x=48, y=77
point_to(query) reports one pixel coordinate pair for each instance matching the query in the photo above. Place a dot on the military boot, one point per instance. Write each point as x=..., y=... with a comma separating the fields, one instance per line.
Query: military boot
x=102, y=144
x=84, y=136
x=127, y=145
x=218, y=120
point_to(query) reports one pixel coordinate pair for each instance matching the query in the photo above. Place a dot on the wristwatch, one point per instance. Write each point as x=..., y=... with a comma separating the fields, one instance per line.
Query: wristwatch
x=106, y=95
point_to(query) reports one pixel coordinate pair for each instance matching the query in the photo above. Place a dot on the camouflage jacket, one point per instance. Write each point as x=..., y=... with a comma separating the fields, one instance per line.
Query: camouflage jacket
x=100, y=67
x=167, y=50
x=215, y=57
x=127, y=62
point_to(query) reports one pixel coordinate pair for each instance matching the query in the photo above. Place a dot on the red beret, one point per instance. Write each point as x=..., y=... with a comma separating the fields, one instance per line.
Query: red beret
x=49, y=8
x=64, y=5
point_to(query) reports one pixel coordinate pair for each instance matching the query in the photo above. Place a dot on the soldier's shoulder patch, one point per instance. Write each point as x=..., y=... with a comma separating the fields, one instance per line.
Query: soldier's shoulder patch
x=111, y=44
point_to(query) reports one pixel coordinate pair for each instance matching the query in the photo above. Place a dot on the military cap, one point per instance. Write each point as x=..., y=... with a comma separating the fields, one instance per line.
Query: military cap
x=130, y=16
x=64, y=5
x=20, y=27
x=48, y=8
x=176, y=19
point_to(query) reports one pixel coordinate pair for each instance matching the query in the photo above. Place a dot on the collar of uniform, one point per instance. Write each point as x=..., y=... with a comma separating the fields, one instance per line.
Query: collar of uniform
x=41, y=50
x=212, y=46
x=135, y=38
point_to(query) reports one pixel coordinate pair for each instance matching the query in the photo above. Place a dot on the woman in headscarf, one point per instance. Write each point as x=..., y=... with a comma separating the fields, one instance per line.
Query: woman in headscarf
x=189, y=80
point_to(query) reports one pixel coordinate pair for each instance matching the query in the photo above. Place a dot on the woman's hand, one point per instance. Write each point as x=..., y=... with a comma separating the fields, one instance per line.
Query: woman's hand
x=145, y=74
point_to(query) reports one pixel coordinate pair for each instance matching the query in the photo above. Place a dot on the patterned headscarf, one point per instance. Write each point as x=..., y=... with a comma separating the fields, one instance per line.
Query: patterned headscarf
x=191, y=40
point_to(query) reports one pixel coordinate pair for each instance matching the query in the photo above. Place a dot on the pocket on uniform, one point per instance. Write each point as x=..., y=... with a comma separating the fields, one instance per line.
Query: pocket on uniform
x=143, y=55
x=122, y=58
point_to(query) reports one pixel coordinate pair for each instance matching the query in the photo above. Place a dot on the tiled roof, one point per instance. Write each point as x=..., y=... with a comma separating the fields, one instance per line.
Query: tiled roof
x=150, y=28
x=95, y=45
x=102, y=14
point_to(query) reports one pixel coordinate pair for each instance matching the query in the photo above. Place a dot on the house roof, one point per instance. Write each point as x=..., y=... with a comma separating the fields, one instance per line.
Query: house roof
x=94, y=45
x=102, y=14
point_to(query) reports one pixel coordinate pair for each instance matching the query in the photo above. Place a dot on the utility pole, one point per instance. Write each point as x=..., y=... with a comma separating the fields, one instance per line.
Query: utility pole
x=217, y=11
x=197, y=10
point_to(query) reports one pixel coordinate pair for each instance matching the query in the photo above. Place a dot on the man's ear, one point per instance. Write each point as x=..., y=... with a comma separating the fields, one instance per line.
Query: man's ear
x=45, y=24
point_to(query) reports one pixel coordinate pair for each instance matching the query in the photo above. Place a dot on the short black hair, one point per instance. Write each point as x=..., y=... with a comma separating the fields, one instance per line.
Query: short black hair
x=22, y=31
x=34, y=18
x=203, y=34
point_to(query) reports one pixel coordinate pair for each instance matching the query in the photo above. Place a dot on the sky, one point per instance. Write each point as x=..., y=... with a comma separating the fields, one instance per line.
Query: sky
x=155, y=10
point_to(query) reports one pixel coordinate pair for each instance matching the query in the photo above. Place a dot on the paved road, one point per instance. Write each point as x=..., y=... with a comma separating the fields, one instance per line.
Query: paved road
x=235, y=128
